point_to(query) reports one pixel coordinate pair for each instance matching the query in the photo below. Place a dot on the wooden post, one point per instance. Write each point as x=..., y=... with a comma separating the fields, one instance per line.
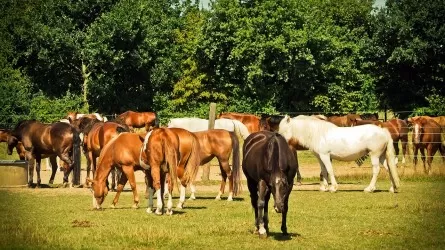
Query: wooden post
x=212, y=114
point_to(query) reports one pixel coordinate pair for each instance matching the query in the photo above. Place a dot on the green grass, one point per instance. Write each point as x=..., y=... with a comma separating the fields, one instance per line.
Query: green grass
x=53, y=218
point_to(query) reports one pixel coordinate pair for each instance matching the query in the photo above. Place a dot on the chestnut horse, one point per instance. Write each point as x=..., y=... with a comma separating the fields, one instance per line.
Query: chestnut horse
x=426, y=135
x=399, y=132
x=219, y=143
x=252, y=122
x=179, y=150
x=344, y=120
x=270, y=167
x=132, y=119
x=4, y=133
x=57, y=139
x=96, y=135
x=122, y=151
x=74, y=116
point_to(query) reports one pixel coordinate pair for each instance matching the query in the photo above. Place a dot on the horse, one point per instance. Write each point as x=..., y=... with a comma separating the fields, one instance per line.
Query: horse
x=399, y=132
x=219, y=143
x=270, y=168
x=426, y=135
x=252, y=122
x=124, y=152
x=73, y=115
x=147, y=120
x=197, y=124
x=96, y=135
x=4, y=133
x=57, y=139
x=172, y=151
x=328, y=141
x=344, y=120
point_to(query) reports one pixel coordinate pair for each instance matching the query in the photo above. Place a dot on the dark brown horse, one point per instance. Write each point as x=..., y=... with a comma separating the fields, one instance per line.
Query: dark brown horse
x=219, y=143
x=252, y=122
x=57, y=139
x=96, y=135
x=399, y=132
x=147, y=120
x=270, y=167
x=426, y=135
x=124, y=152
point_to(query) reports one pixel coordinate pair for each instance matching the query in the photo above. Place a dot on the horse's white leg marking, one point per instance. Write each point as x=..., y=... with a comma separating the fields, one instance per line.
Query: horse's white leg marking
x=181, y=197
x=169, y=204
x=324, y=174
x=396, y=160
x=326, y=159
x=262, y=231
x=230, y=198
x=375, y=173
x=218, y=197
x=193, y=190
x=159, y=202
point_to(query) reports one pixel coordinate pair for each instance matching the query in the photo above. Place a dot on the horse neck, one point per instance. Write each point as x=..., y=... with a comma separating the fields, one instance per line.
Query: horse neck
x=4, y=135
x=309, y=133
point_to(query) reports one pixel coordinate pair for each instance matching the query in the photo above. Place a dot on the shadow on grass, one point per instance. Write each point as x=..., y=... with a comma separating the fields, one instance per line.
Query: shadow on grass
x=280, y=237
x=195, y=208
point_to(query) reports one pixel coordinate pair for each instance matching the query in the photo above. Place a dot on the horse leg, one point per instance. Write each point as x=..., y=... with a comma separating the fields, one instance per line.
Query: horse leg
x=323, y=175
x=31, y=164
x=396, y=150
x=182, y=190
x=430, y=154
x=69, y=167
x=375, y=172
x=54, y=167
x=422, y=156
x=262, y=193
x=266, y=211
x=326, y=159
x=89, y=156
x=225, y=172
x=193, y=191
x=284, y=213
x=404, y=142
x=38, y=161
x=113, y=178
x=416, y=151
x=129, y=172
x=122, y=181
x=253, y=190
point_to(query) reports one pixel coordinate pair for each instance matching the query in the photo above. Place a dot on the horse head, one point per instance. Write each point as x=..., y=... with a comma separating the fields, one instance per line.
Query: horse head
x=280, y=189
x=100, y=191
x=12, y=142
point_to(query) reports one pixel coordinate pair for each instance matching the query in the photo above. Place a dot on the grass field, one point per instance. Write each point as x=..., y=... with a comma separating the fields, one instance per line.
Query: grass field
x=62, y=218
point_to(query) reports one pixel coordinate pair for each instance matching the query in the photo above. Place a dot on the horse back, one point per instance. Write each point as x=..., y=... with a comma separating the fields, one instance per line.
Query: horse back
x=214, y=142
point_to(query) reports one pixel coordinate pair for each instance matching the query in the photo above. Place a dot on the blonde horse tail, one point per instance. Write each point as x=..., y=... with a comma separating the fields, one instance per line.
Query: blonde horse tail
x=390, y=159
x=192, y=165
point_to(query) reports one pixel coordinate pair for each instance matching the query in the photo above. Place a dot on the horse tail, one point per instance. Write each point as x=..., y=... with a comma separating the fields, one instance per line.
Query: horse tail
x=236, y=169
x=76, y=156
x=171, y=158
x=193, y=161
x=390, y=159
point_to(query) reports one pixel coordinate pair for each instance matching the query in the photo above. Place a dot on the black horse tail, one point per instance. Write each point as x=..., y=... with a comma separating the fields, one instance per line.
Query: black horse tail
x=76, y=157
x=236, y=166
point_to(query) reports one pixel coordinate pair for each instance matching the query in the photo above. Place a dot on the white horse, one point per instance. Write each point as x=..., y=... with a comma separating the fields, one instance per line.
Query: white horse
x=327, y=141
x=194, y=124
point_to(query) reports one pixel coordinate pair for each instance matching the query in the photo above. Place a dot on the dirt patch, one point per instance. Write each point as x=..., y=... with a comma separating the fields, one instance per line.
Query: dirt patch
x=81, y=223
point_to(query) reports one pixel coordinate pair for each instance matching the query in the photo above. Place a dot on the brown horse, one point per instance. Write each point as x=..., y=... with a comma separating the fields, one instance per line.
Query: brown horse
x=399, y=132
x=426, y=135
x=96, y=135
x=179, y=150
x=252, y=122
x=345, y=120
x=132, y=119
x=4, y=133
x=123, y=151
x=219, y=143
x=57, y=139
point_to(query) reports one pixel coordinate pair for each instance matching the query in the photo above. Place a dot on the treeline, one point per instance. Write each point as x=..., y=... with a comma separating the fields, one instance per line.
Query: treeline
x=172, y=57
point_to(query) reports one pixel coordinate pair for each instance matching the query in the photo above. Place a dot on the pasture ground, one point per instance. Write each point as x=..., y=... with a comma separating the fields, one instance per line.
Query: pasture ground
x=63, y=218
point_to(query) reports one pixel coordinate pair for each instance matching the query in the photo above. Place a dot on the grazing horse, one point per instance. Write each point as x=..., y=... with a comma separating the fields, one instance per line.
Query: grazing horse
x=399, y=132
x=252, y=122
x=327, y=141
x=57, y=139
x=219, y=143
x=426, y=135
x=124, y=152
x=197, y=124
x=270, y=167
x=4, y=133
x=175, y=152
x=147, y=120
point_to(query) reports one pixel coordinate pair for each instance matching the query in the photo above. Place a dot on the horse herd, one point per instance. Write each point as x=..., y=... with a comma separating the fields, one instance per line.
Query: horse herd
x=170, y=156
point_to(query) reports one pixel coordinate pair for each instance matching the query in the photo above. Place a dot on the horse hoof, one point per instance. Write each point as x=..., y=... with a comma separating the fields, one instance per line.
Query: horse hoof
x=135, y=206
x=217, y=198
x=158, y=211
x=112, y=206
x=369, y=189
x=169, y=212
x=192, y=197
x=51, y=182
x=149, y=210
x=323, y=189
x=180, y=206
x=263, y=236
x=229, y=199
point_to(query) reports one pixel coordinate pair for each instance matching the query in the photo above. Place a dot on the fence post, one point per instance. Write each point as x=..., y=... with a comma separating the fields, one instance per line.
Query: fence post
x=212, y=114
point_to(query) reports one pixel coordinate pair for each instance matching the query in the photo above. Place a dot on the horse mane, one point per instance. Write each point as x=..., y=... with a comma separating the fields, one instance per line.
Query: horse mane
x=90, y=124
